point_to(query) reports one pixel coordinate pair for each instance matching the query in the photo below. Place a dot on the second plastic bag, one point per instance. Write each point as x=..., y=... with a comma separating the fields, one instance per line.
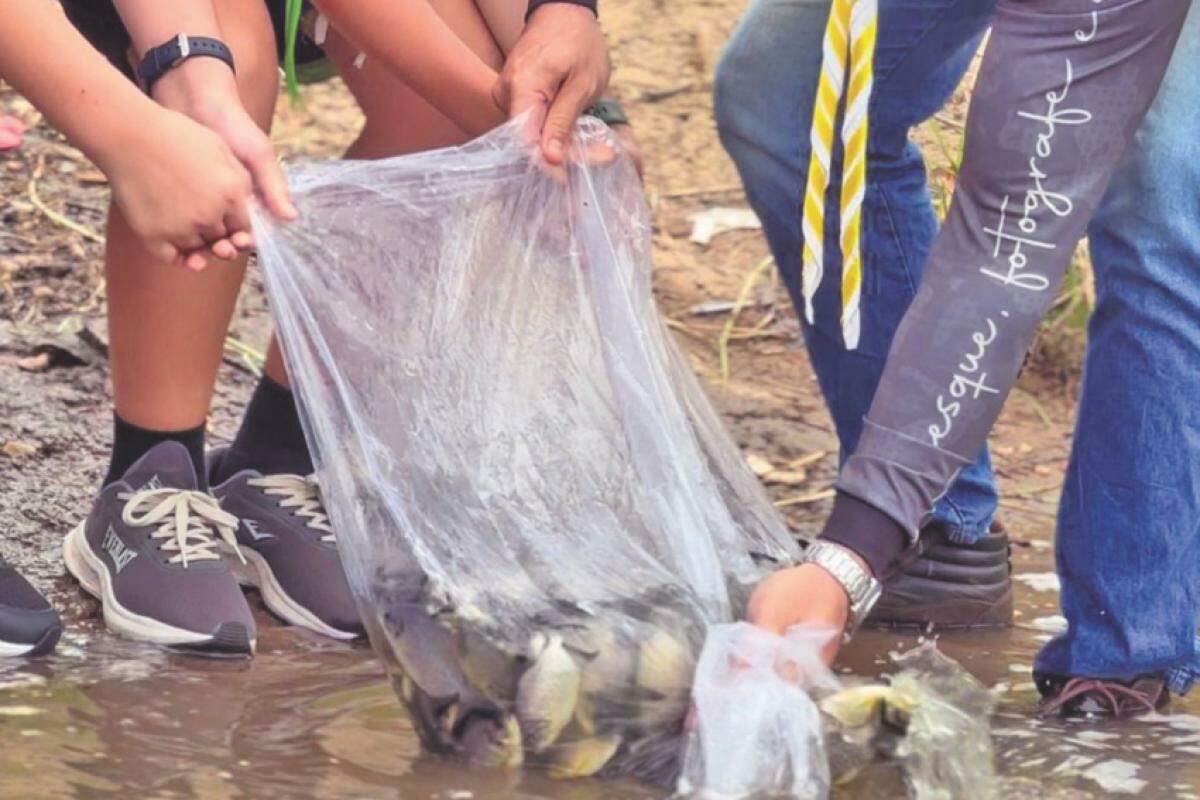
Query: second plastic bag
x=756, y=731
x=538, y=509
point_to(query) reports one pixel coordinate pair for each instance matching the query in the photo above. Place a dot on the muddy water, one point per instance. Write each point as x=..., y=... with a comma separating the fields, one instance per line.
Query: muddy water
x=313, y=718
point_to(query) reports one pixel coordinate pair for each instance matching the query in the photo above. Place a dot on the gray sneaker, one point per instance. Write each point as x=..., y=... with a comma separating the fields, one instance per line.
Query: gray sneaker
x=290, y=550
x=150, y=552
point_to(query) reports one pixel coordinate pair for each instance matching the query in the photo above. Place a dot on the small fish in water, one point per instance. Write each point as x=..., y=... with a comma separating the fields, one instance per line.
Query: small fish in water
x=860, y=706
x=581, y=758
x=547, y=693
x=490, y=742
x=665, y=667
x=873, y=716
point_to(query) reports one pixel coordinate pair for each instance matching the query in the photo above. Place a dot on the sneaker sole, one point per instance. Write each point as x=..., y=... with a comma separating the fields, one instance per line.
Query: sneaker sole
x=92, y=575
x=257, y=572
x=39, y=648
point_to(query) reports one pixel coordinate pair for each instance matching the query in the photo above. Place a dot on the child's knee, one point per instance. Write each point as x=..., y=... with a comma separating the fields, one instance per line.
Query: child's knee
x=249, y=34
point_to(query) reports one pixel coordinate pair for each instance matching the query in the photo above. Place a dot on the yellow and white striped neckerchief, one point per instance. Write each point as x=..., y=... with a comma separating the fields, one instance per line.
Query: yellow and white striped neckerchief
x=847, y=70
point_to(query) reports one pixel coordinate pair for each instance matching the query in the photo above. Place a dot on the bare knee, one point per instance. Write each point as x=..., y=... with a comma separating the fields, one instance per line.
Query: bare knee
x=248, y=32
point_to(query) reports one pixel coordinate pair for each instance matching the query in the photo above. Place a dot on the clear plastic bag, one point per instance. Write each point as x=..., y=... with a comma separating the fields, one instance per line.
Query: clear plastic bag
x=933, y=717
x=538, y=509
x=756, y=732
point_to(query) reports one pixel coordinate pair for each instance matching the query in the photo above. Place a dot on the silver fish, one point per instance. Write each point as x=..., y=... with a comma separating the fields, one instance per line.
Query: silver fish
x=547, y=692
x=489, y=668
x=581, y=758
x=664, y=669
x=491, y=742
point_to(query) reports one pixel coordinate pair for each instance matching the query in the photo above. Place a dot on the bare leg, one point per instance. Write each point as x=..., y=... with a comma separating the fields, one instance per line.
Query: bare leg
x=505, y=18
x=399, y=121
x=167, y=325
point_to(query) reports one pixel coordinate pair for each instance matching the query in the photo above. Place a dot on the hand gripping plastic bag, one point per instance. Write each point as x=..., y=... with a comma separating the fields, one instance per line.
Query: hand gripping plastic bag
x=537, y=508
x=756, y=732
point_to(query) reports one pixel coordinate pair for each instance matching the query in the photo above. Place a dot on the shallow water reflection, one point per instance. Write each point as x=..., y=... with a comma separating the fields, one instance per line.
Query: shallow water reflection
x=314, y=718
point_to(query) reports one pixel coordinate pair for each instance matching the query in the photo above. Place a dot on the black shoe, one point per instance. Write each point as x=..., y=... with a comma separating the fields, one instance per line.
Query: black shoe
x=950, y=586
x=29, y=625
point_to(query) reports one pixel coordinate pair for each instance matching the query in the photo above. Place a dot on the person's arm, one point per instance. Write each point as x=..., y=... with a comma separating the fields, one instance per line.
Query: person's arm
x=507, y=19
x=206, y=90
x=147, y=152
x=1062, y=88
x=419, y=48
x=558, y=67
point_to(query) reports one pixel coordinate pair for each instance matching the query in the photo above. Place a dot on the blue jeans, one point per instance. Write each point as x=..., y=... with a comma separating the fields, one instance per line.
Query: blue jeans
x=1129, y=526
x=1128, y=544
x=766, y=83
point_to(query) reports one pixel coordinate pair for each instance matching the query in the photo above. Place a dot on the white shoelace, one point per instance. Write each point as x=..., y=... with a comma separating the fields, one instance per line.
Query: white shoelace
x=300, y=493
x=186, y=522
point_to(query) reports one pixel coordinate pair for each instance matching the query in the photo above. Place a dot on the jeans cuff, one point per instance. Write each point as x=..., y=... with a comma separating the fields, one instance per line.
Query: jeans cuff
x=1180, y=679
x=958, y=528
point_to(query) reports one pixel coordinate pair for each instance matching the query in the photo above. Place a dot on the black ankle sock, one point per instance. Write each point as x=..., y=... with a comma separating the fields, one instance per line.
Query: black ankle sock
x=271, y=439
x=131, y=443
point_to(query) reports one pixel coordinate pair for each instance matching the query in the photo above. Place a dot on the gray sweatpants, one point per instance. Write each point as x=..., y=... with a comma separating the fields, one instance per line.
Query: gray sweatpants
x=1063, y=86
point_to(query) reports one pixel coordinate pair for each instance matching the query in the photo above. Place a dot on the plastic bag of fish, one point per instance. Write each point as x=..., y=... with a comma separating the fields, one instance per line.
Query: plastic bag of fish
x=771, y=721
x=756, y=731
x=537, y=507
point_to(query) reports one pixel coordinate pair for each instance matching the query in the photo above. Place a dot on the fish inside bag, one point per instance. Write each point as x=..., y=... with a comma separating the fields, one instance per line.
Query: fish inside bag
x=770, y=722
x=538, y=510
x=756, y=732
x=932, y=718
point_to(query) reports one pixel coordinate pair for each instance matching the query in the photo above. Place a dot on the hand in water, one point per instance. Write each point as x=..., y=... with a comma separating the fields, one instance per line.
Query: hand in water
x=805, y=595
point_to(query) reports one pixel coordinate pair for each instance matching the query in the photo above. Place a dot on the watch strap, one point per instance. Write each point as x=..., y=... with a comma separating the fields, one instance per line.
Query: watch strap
x=860, y=585
x=608, y=111
x=158, y=61
x=590, y=5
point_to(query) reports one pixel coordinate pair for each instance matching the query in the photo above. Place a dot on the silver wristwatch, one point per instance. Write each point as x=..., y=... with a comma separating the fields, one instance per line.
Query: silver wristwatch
x=861, y=586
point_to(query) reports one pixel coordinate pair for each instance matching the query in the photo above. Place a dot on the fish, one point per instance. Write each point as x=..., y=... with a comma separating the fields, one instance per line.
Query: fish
x=611, y=664
x=862, y=706
x=425, y=650
x=547, y=692
x=491, y=670
x=859, y=705
x=489, y=741
x=665, y=666
x=609, y=668
x=581, y=758
x=873, y=717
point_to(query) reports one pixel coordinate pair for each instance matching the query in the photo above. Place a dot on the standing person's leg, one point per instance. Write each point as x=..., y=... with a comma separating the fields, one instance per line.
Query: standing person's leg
x=1127, y=546
x=158, y=580
x=765, y=87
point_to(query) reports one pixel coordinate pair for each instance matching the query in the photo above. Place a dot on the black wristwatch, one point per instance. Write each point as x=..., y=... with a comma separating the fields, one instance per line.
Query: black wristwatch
x=608, y=111
x=590, y=5
x=170, y=54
